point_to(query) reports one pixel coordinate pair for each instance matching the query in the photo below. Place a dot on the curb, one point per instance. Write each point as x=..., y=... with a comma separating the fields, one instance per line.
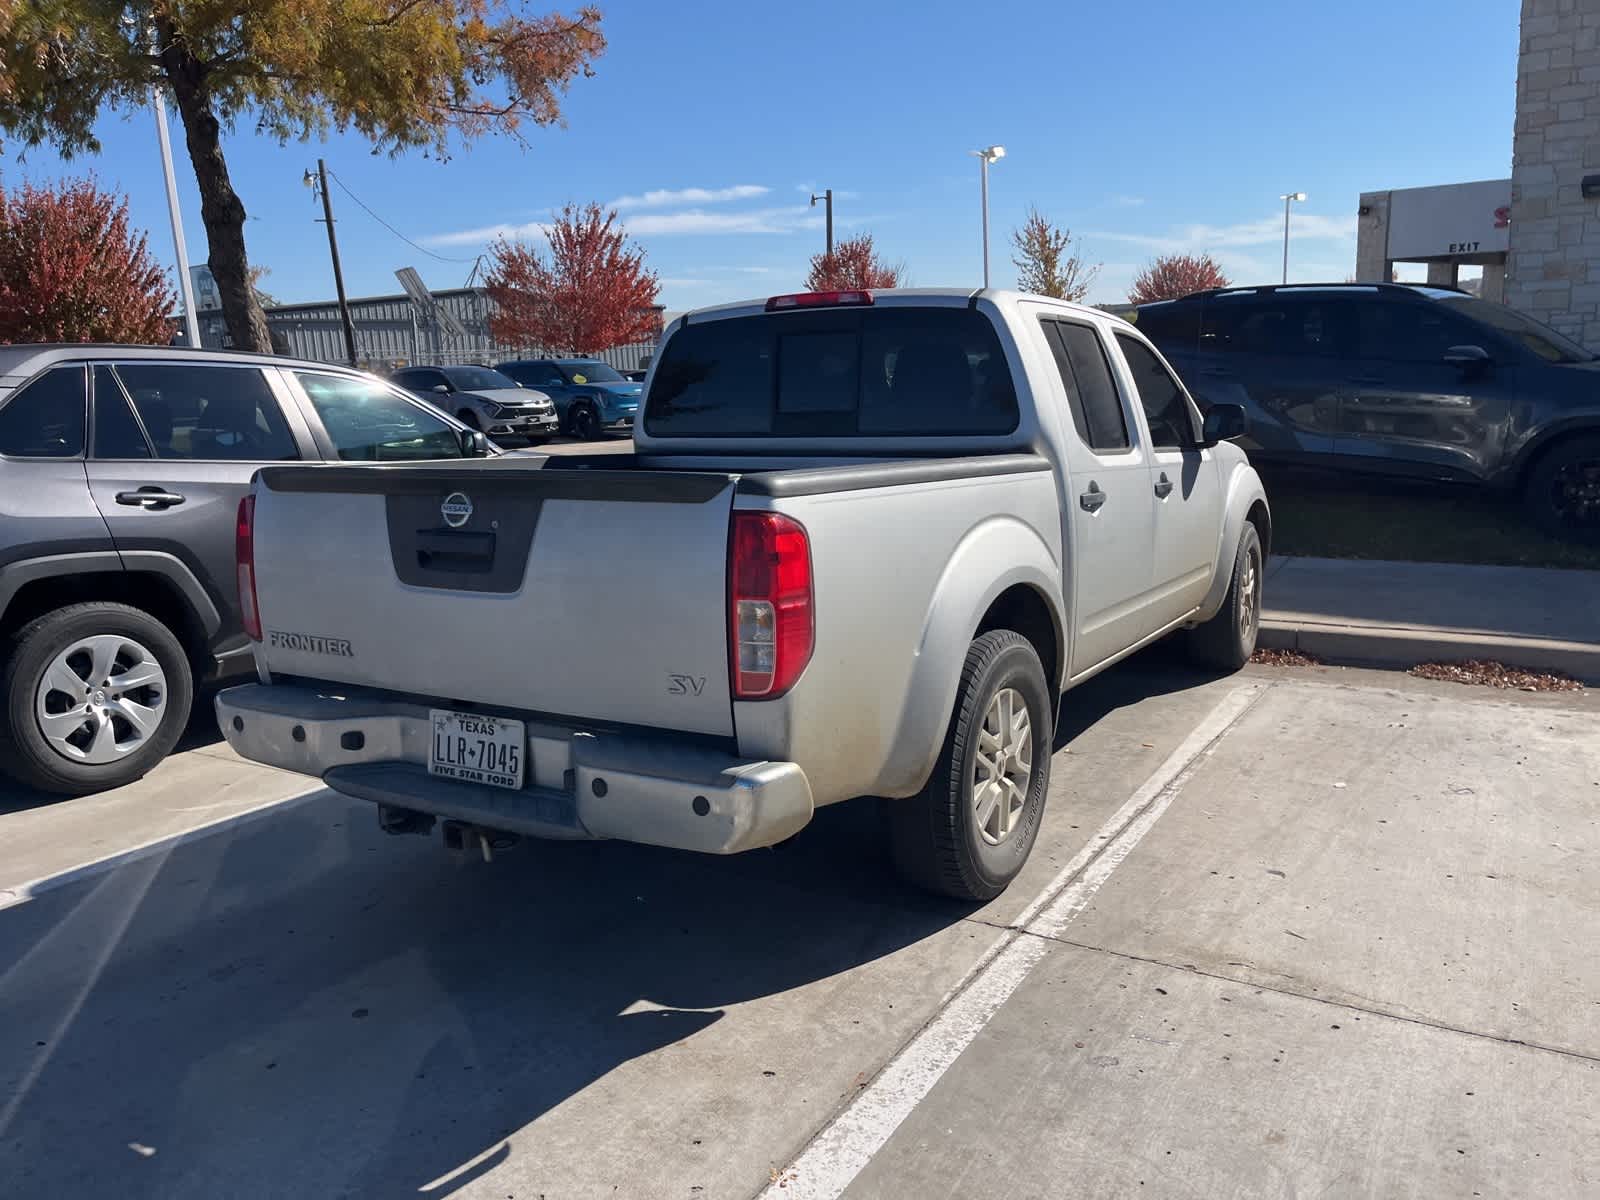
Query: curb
x=1386, y=646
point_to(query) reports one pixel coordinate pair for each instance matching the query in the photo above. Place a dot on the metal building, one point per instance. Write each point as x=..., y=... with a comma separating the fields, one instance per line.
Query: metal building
x=392, y=331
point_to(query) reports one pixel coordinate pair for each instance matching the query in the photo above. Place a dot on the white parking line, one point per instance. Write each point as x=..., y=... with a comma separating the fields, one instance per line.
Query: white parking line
x=23, y=892
x=838, y=1153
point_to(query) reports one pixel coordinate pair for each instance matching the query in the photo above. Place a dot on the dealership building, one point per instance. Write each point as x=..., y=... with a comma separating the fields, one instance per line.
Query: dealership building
x=1536, y=235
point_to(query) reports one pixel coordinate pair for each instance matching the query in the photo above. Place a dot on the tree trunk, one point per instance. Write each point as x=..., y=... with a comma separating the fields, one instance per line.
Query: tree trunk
x=220, y=207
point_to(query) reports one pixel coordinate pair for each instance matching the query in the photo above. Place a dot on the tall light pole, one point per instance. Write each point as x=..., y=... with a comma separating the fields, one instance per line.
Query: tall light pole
x=1288, y=198
x=827, y=197
x=191, y=323
x=986, y=156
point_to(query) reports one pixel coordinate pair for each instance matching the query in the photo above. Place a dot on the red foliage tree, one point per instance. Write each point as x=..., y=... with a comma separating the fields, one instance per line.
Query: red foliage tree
x=1173, y=276
x=854, y=263
x=592, y=292
x=71, y=269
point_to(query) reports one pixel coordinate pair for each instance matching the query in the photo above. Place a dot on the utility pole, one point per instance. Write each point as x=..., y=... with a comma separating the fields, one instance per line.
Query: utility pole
x=827, y=197
x=191, y=322
x=338, y=275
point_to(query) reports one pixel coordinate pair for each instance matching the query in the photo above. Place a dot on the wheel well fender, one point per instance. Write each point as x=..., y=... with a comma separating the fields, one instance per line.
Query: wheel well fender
x=1002, y=571
x=1244, y=500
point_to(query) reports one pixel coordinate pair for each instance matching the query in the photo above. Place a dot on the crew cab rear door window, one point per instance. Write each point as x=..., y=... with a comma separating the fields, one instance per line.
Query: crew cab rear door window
x=1097, y=411
x=834, y=373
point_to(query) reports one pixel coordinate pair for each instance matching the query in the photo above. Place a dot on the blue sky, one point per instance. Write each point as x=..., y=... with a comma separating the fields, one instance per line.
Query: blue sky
x=1143, y=127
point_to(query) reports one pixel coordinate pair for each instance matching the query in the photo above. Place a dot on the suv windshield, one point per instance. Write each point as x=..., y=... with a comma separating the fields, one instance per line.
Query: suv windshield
x=1541, y=339
x=478, y=379
x=591, y=372
x=847, y=372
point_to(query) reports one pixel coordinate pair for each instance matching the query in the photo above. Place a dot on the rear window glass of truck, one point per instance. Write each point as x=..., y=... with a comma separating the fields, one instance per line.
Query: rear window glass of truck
x=863, y=372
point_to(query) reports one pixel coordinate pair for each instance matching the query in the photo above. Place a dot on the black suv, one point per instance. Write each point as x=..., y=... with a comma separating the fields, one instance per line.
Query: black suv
x=1400, y=379
x=121, y=472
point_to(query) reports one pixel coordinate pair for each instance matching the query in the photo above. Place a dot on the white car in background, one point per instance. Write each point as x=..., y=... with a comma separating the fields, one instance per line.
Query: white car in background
x=482, y=398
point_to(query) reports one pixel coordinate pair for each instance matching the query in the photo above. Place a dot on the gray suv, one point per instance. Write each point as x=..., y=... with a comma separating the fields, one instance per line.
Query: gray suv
x=1399, y=379
x=121, y=472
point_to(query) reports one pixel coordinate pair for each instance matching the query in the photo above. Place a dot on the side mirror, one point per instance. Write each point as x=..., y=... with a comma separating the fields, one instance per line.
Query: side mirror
x=473, y=443
x=442, y=388
x=1223, y=423
x=1467, y=358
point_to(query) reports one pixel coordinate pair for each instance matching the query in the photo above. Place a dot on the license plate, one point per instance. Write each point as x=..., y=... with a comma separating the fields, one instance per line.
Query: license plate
x=477, y=749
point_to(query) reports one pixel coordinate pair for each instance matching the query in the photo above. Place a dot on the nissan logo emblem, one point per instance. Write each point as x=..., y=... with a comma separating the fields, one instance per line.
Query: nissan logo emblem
x=456, y=510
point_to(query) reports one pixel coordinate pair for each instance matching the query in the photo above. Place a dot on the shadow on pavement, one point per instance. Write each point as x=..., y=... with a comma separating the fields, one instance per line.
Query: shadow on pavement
x=302, y=1006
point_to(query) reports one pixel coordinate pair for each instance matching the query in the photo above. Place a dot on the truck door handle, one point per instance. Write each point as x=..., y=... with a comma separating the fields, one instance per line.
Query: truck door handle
x=1163, y=486
x=149, y=497
x=1091, y=500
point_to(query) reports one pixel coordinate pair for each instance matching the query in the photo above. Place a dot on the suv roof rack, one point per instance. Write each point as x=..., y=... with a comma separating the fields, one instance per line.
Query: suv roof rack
x=1397, y=288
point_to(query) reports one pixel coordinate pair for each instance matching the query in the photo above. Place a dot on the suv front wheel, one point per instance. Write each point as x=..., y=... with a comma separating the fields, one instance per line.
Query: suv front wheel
x=1563, y=489
x=95, y=696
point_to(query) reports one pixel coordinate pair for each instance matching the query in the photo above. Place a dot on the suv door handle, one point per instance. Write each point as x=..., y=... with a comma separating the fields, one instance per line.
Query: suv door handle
x=1091, y=500
x=1163, y=486
x=149, y=497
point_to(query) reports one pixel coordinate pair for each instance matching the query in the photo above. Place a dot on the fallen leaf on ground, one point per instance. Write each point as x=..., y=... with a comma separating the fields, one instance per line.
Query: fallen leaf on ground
x=1496, y=675
x=1285, y=658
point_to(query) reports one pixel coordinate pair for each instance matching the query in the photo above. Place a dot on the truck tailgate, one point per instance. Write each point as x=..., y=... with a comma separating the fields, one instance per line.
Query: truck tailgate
x=592, y=594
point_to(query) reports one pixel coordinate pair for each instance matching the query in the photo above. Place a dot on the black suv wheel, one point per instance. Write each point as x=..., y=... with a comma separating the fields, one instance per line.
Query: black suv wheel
x=1562, y=494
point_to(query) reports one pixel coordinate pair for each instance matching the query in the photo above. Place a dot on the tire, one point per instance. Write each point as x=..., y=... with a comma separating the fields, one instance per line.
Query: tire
x=936, y=838
x=470, y=419
x=585, y=422
x=1228, y=639
x=118, y=639
x=1562, y=493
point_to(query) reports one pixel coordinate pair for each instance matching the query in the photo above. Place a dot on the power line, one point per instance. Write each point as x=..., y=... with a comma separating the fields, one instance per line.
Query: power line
x=392, y=229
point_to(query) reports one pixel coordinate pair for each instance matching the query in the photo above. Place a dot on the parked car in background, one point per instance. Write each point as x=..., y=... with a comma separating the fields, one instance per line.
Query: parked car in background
x=121, y=472
x=1401, y=379
x=637, y=375
x=481, y=398
x=989, y=498
x=591, y=397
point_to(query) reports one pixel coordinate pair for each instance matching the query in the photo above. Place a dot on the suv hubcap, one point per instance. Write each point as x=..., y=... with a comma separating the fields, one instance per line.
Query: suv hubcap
x=1575, y=492
x=1249, y=595
x=1002, y=766
x=100, y=699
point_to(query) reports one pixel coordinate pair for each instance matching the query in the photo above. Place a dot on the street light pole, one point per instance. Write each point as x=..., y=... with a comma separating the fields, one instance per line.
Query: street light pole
x=1288, y=198
x=191, y=322
x=338, y=275
x=986, y=156
x=827, y=197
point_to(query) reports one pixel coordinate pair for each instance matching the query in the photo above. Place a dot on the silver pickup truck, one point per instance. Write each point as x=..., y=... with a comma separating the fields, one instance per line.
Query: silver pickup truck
x=862, y=545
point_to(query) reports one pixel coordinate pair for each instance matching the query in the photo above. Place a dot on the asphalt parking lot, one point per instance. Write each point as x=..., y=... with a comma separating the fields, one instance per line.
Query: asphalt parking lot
x=1286, y=933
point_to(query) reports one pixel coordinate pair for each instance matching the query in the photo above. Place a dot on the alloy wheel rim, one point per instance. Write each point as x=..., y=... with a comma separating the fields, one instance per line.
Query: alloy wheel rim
x=100, y=699
x=1249, y=595
x=1575, y=492
x=1002, y=766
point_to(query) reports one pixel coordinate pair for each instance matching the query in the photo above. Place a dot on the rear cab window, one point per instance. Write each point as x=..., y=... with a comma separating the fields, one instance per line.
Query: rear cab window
x=848, y=372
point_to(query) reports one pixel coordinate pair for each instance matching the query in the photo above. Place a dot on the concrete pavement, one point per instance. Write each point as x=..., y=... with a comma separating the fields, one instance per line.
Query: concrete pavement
x=1392, y=614
x=298, y=1005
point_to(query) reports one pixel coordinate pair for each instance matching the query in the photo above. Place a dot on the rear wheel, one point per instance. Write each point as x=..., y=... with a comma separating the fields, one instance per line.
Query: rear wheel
x=1563, y=490
x=1229, y=639
x=95, y=696
x=970, y=830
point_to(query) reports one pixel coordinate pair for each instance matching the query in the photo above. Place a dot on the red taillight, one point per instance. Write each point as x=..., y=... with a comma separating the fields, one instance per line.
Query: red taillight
x=819, y=300
x=771, y=633
x=244, y=553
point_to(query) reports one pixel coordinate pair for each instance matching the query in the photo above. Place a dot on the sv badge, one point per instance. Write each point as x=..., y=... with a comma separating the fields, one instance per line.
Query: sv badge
x=685, y=685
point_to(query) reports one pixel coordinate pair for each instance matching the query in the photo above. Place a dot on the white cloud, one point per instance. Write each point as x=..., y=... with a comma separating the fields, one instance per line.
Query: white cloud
x=684, y=283
x=1245, y=233
x=488, y=233
x=697, y=220
x=665, y=197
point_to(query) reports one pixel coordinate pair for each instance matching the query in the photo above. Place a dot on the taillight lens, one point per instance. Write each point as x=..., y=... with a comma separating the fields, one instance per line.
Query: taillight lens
x=771, y=630
x=244, y=553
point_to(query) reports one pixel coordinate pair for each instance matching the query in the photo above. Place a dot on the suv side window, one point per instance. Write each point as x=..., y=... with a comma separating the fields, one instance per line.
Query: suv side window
x=45, y=419
x=1295, y=326
x=1170, y=323
x=117, y=433
x=208, y=413
x=422, y=380
x=1091, y=392
x=1166, y=409
x=537, y=375
x=1413, y=332
x=369, y=423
